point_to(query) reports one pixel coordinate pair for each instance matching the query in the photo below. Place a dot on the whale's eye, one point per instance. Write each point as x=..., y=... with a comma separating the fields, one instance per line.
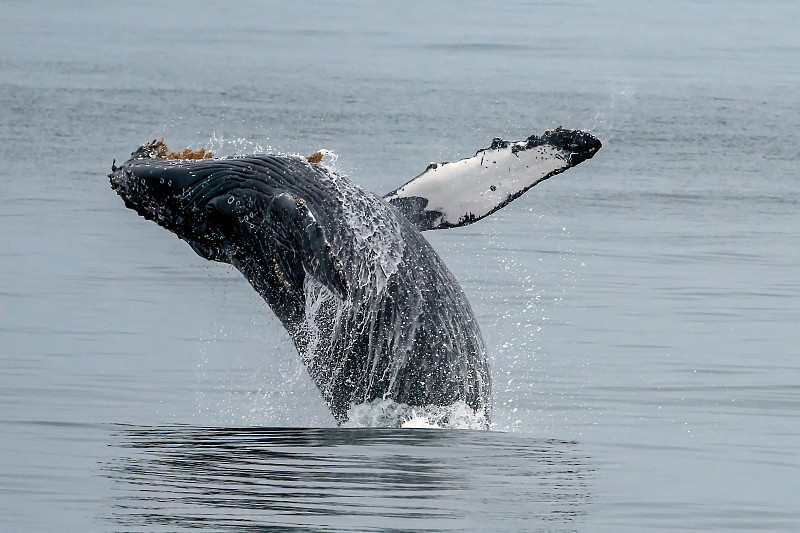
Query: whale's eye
x=210, y=209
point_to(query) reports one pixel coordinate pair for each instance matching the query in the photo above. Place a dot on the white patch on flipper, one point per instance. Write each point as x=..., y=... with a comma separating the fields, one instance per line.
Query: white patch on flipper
x=478, y=185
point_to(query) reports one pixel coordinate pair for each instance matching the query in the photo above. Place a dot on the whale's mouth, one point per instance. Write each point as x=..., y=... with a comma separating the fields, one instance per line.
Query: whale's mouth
x=124, y=180
x=156, y=183
x=137, y=198
x=168, y=203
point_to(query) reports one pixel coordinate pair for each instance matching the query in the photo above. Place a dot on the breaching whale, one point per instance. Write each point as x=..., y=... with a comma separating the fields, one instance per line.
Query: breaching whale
x=370, y=306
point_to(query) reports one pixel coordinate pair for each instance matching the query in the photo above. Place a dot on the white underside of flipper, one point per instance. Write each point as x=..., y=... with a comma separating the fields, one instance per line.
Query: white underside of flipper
x=456, y=194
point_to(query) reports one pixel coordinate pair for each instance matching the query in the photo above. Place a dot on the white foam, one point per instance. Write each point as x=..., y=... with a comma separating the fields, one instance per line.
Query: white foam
x=390, y=414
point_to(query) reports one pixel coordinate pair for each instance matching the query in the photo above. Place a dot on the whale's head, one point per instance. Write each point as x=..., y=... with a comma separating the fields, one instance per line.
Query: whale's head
x=235, y=210
x=175, y=195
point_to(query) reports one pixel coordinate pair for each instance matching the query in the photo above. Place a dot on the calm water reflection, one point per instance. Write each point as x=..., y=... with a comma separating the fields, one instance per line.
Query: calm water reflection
x=344, y=480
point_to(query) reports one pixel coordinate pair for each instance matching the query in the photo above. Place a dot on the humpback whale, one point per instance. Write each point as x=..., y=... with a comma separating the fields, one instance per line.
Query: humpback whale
x=371, y=308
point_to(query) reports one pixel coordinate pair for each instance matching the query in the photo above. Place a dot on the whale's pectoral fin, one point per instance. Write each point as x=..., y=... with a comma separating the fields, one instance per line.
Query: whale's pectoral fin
x=449, y=195
x=319, y=258
x=288, y=228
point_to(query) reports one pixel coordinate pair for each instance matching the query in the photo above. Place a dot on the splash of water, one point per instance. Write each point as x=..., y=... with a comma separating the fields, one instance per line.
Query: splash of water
x=388, y=413
x=221, y=145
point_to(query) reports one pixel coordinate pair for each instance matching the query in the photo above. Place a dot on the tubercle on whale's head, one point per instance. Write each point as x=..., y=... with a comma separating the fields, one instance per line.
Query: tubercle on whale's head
x=577, y=145
x=156, y=149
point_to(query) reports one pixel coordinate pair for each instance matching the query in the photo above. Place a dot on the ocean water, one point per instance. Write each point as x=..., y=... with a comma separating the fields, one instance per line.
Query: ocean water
x=641, y=310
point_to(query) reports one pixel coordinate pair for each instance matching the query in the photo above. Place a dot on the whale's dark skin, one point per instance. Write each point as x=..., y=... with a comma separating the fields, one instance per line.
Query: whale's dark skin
x=407, y=334
x=370, y=306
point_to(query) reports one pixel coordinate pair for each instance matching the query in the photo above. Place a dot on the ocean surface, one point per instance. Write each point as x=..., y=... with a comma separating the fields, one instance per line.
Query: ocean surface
x=641, y=311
